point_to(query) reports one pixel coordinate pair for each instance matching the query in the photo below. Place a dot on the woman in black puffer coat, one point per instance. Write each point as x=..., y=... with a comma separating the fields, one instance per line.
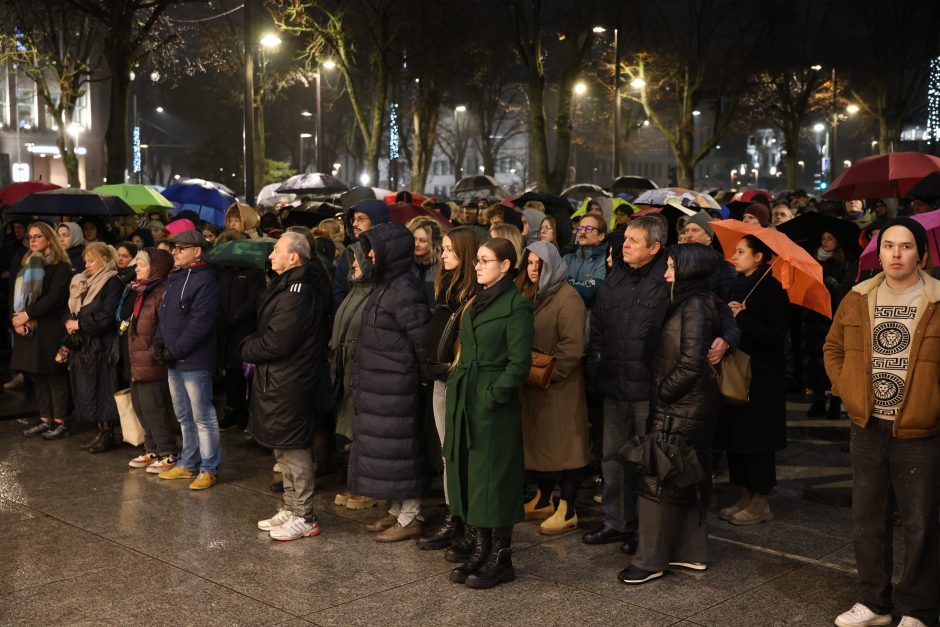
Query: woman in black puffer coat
x=685, y=401
x=387, y=459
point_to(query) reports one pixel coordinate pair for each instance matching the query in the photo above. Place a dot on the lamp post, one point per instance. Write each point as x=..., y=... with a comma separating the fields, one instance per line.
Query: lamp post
x=303, y=136
x=248, y=136
x=328, y=64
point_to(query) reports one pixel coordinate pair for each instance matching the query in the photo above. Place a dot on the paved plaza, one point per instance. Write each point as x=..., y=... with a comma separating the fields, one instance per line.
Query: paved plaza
x=86, y=540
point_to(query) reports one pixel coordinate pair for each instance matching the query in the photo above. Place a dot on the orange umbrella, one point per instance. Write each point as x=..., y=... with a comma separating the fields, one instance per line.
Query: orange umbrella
x=800, y=274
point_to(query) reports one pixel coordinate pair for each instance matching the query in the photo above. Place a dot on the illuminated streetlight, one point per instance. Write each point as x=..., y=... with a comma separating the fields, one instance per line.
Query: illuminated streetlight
x=74, y=129
x=816, y=67
x=460, y=109
x=696, y=113
x=305, y=135
x=155, y=76
x=364, y=179
x=599, y=29
x=646, y=122
x=159, y=109
x=329, y=64
x=306, y=114
x=580, y=88
x=270, y=40
x=852, y=109
x=847, y=163
x=819, y=127
x=638, y=83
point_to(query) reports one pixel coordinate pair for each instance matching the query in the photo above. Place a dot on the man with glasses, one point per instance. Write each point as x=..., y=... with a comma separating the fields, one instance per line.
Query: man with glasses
x=587, y=265
x=186, y=343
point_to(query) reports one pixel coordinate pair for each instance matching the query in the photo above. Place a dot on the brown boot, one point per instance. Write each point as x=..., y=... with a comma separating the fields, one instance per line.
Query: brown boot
x=727, y=512
x=382, y=523
x=756, y=512
x=397, y=533
x=534, y=512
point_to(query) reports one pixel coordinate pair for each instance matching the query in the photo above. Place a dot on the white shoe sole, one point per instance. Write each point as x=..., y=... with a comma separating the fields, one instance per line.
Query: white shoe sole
x=309, y=534
x=878, y=620
x=649, y=577
x=689, y=565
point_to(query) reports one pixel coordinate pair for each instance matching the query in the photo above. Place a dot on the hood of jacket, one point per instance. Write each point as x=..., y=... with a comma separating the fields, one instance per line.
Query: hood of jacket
x=554, y=270
x=394, y=247
x=248, y=216
x=377, y=211
x=534, y=217
x=693, y=266
x=354, y=252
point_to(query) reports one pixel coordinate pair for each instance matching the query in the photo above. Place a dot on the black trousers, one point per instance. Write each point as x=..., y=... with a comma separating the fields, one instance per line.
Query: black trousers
x=755, y=471
x=885, y=469
x=52, y=394
x=154, y=407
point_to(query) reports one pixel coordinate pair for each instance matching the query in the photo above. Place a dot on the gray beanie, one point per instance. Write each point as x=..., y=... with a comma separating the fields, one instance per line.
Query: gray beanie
x=702, y=219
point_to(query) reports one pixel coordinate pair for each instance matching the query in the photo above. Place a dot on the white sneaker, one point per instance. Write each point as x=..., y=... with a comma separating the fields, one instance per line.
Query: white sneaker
x=294, y=529
x=910, y=621
x=861, y=616
x=689, y=565
x=281, y=517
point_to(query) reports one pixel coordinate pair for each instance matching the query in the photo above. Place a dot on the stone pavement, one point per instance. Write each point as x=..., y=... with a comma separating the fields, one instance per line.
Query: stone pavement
x=86, y=540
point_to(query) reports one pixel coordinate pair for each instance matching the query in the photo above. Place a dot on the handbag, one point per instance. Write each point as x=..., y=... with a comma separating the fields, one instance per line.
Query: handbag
x=443, y=356
x=734, y=377
x=131, y=429
x=540, y=373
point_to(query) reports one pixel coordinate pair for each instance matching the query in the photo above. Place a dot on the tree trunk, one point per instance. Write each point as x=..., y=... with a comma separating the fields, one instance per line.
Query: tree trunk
x=66, y=146
x=791, y=139
x=537, y=136
x=563, y=126
x=115, y=136
x=424, y=134
x=259, y=148
x=889, y=134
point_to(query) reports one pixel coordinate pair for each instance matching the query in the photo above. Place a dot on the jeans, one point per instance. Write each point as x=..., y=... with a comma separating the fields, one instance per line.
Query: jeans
x=622, y=421
x=909, y=470
x=192, y=402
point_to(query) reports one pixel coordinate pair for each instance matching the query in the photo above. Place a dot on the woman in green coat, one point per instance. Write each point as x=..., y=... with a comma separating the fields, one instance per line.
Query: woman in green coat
x=483, y=431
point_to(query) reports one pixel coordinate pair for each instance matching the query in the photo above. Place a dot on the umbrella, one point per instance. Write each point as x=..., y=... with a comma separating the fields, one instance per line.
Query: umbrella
x=892, y=175
x=416, y=198
x=243, y=253
x=581, y=191
x=354, y=195
x=71, y=201
x=312, y=184
x=797, y=270
x=632, y=184
x=219, y=186
x=403, y=212
x=931, y=221
x=555, y=206
x=10, y=194
x=478, y=183
x=310, y=213
x=929, y=187
x=208, y=201
x=688, y=198
x=807, y=228
x=666, y=455
x=268, y=195
x=672, y=212
x=140, y=198
x=750, y=195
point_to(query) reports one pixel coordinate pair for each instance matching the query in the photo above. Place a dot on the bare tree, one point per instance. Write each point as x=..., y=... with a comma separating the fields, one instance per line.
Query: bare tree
x=454, y=139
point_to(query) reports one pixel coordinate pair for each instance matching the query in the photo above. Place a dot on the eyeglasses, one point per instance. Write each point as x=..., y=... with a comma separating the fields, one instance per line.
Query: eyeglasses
x=482, y=262
x=587, y=228
x=178, y=248
x=35, y=237
x=546, y=227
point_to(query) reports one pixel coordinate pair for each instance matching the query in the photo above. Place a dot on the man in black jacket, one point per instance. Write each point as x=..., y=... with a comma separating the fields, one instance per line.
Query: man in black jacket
x=287, y=350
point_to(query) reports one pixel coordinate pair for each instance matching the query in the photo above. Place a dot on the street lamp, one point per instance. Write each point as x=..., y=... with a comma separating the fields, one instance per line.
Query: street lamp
x=270, y=40
x=159, y=109
x=852, y=109
x=460, y=109
x=580, y=88
x=303, y=136
x=756, y=174
x=328, y=64
x=638, y=83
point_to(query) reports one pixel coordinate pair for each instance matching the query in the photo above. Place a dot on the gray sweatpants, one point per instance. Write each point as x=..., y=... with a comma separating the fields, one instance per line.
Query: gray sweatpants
x=298, y=475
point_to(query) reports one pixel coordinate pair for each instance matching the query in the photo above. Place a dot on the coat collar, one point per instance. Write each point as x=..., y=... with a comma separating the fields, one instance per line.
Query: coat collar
x=499, y=308
x=931, y=285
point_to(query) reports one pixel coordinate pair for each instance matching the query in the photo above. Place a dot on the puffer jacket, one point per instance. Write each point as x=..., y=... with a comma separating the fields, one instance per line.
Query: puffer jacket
x=140, y=336
x=387, y=456
x=188, y=318
x=288, y=351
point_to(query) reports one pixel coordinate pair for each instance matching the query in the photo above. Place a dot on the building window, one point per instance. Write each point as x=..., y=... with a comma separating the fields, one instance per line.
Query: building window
x=80, y=116
x=27, y=102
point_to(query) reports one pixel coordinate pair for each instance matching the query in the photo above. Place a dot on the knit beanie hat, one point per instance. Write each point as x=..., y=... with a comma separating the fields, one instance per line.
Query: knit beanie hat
x=917, y=230
x=702, y=219
x=759, y=211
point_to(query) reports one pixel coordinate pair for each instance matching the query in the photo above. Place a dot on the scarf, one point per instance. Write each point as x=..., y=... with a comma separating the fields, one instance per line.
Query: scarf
x=83, y=289
x=486, y=295
x=822, y=255
x=28, y=285
x=142, y=287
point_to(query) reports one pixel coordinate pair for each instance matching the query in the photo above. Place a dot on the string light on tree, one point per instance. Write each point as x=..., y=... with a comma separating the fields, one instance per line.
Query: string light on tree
x=393, y=131
x=933, y=100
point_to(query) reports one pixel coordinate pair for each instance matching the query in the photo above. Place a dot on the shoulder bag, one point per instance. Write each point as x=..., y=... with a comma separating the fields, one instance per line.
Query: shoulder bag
x=540, y=373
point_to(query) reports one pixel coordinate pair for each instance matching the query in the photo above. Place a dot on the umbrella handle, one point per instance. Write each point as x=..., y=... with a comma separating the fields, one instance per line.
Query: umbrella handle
x=772, y=264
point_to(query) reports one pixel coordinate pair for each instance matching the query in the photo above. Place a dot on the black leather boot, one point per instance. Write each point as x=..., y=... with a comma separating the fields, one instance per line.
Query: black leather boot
x=93, y=442
x=442, y=537
x=461, y=548
x=483, y=539
x=106, y=442
x=498, y=567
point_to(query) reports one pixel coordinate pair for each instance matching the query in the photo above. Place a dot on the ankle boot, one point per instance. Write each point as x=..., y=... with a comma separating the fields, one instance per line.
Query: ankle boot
x=461, y=548
x=534, y=512
x=105, y=443
x=92, y=442
x=483, y=539
x=443, y=535
x=559, y=522
x=727, y=512
x=498, y=567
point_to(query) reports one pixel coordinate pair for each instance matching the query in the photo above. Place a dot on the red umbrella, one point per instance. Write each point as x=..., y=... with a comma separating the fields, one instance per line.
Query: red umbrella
x=402, y=213
x=893, y=175
x=14, y=191
x=747, y=195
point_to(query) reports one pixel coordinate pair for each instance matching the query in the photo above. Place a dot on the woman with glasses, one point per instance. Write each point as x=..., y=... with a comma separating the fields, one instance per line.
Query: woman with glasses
x=483, y=429
x=40, y=297
x=547, y=230
x=587, y=266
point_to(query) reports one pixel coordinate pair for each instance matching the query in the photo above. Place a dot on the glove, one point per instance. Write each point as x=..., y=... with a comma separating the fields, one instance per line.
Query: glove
x=163, y=355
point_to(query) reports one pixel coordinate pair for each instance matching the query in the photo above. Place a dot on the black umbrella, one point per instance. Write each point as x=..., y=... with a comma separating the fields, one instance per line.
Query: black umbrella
x=668, y=456
x=315, y=184
x=806, y=230
x=557, y=207
x=71, y=201
x=632, y=185
x=585, y=190
x=310, y=213
x=478, y=183
x=929, y=187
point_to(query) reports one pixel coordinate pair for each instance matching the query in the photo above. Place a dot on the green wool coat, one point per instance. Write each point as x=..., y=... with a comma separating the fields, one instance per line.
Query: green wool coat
x=483, y=432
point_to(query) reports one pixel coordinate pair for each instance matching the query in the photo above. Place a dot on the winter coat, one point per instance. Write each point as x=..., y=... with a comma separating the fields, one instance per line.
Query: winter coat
x=685, y=399
x=427, y=274
x=35, y=354
x=839, y=279
x=287, y=350
x=140, y=337
x=93, y=364
x=555, y=421
x=387, y=456
x=240, y=290
x=587, y=269
x=848, y=360
x=760, y=426
x=379, y=215
x=483, y=425
x=188, y=318
x=76, y=256
x=722, y=279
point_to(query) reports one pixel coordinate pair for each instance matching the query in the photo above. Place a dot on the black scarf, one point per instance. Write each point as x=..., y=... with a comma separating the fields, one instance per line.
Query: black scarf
x=743, y=285
x=485, y=296
x=682, y=289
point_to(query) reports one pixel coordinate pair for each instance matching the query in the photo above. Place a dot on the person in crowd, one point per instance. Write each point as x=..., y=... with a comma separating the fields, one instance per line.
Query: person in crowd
x=427, y=255
x=839, y=270
x=93, y=230
x=165, y=244
x=241, y=217
x=40, y=306
x=921, y=204
x=555, y=420
x=498, y=214
x=150, y=394
x=142, y=238
x=684, y=404
x=287, y=351
x=780, y=212
x=510, y=232
x=270, y=225
x=360, y=218
x=209, y=231
x=533, y=213
x=239, y=292
x=586, y=265
x=73, y=241
x=469, y=213
x=126, y=251
x=483, y=429
x=752, y=433
x=756, y=214
x=92, y=331
x=386, y=460
x=547, y=228
x=347, y=325
x=125, y=260
x=799, y=201
x=124, y=226
x=332, y=230
x=157, y=230
x=186, y=344
x=454, y=287
x=698, y=231
x=854, y=211
x=895, y=427
x=623, y=213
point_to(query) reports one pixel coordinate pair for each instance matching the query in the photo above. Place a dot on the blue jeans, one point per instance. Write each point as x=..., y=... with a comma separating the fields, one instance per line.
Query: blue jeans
x=192, y=402
x=622, y=421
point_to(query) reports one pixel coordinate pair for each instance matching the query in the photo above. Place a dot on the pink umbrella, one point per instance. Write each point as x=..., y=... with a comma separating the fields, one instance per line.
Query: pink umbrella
x=931, y=222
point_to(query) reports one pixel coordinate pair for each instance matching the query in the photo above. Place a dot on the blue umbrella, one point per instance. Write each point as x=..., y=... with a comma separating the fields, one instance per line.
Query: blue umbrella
x=208, y=201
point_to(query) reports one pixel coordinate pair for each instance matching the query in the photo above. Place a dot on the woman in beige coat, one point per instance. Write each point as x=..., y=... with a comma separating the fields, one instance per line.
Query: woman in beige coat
x=554, y=421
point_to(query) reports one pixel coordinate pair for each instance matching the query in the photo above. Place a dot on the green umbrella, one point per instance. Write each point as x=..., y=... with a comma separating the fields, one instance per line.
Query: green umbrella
x=141, y=198
x=243, y=253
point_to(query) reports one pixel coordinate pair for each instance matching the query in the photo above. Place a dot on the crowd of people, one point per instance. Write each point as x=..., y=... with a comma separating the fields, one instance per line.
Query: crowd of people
x=516, y=352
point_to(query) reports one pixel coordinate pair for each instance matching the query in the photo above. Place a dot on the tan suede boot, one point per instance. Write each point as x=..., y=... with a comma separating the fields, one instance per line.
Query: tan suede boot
x=540, y=513
x=756, y=512
x=727, y=512
x=556, y=524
